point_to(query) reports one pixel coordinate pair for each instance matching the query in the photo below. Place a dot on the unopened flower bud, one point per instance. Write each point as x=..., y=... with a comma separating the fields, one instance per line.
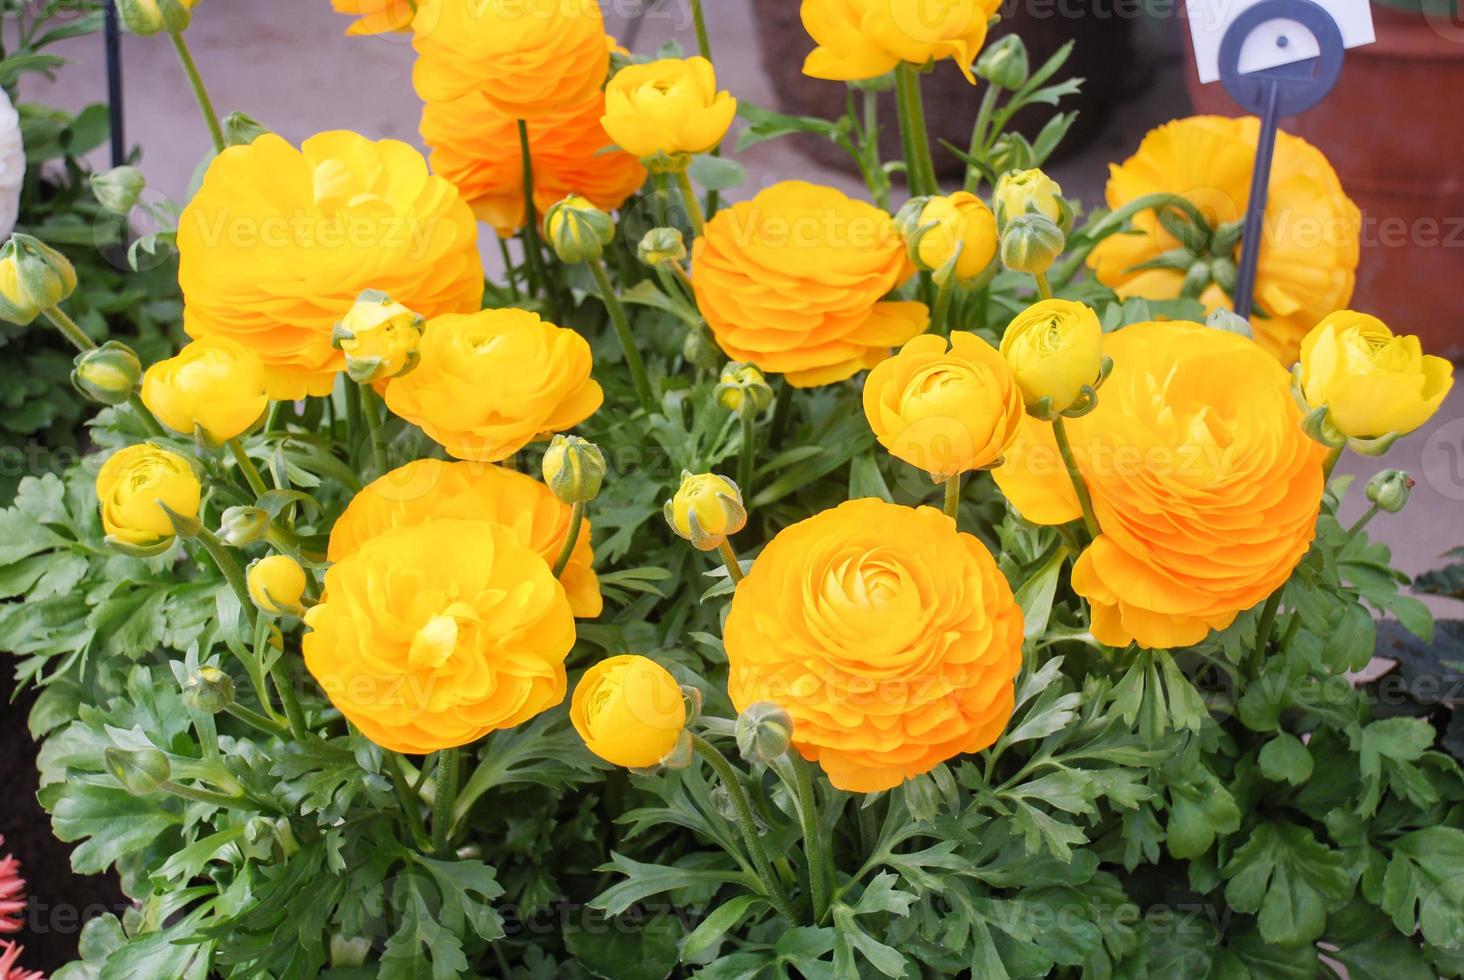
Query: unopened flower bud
x=764, y=732
x=742, y=389
x=700, y=349
x=706, y=509
x=140, y=771
x=577, y=230
x=1030, y=192
x=1390, y=490
x=1011, y=151
x=1004, y=63
x=241, y=129
x=107, y=374
x=907, y=221
x=148, y=17
x=660, y=246
x=118, y=189
x=208, y=689
x=574, y=469
x=277, y=585
x=243, y=526
x=379, y=337
x=33, y=277
x=1031, y=243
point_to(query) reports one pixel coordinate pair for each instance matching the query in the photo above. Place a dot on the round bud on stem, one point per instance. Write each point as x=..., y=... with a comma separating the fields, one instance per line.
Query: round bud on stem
x=243, y=526
x=764, y=732
x=1031, y=243
x=1390, y=490
x=662, y=246
x=33, y=277
x=706, y=509
x=743, y=390
x=379, y=337
x=118, y=189
x=148, y=17
x=1004, y=63
x=107, y=374
x=209, y=690
x=577, y=230
x=574, y=468
x=141, y=771
x=277, y=585
x=241, y=129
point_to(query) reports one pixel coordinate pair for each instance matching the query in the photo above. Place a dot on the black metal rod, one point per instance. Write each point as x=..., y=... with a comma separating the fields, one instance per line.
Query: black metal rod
x=1255, y=215
x=113, y=34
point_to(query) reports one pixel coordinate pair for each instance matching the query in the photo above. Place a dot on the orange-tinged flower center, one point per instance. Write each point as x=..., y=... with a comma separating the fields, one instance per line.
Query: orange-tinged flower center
x=439, y=637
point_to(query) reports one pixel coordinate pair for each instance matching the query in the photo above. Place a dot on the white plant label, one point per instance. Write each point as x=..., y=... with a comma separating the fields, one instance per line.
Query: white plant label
x=1275, y=42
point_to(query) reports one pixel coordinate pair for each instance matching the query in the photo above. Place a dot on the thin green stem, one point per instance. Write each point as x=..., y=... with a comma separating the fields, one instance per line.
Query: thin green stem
x=1090, y=519
x=576, y=522
x=1364, y=520
x=69, y=328
x=978, y=137
x=942, y=306
x=627, y=339
x=1329, y=463
x=204, y=795
x=693, y=206
x=729, y=558
x=919, y=170
x=374, y=435
x=748, y=827
x=703, y=41
x=532, y=251
x=256, y=720
x=444, y=798
x=285, y=688
x=508, y=275
x=247, y=467
x=746, y=453
x=230, y=569
x=409, y=801
x=149, y=421
x=1044, y=289
x=953, y=497
x=1263, y=629
x=200, y=94
x=353, y=425
x=815, y=848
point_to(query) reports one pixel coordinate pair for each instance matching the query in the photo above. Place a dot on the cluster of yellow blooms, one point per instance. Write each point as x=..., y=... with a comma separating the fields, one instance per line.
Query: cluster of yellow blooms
x=890, y=639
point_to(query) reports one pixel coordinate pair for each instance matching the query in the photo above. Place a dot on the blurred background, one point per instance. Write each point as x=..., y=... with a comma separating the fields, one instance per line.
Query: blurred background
x=1391, y=128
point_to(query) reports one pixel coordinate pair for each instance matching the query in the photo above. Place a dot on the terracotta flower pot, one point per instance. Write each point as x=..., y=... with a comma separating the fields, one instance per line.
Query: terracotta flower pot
x=951, y=102
x=1397, y=149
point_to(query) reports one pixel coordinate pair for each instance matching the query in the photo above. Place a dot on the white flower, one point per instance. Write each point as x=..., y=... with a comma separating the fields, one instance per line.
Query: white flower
x=12, y=165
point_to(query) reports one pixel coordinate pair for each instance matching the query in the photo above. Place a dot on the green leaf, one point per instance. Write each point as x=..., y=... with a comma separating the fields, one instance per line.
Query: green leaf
x=627, y=949
x=723, y=918
x=715, y=173
x=644, y=880
x=420, y=948
x=1285, y=759
x=110, y=822
x=1423, y=888
x=1400, y=741
x=1200, y=809
x=1283, y=873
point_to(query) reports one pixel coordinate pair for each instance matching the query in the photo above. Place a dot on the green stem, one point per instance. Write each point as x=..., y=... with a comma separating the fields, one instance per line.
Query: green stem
x=353, y=425
x=409, y=800
x=532, y=252
x=919, y=170
x=1364, y=520
x=703, y=41
x=1090, y=519
x=509, y=278
x=374, y=435
x=627, y=340
x=69, y=328
x=246, y=466
x=1044, y=290
x=815, y=848
x=873, y=168
x=200, y=94
x=953, y=497
x=746, y=453
x=729, y=558
x=230, y=569
x=693, y=206
x=978, y=137
x=444, y=798
x=149, y=421
x=285, y=687
x=576, y=521
x=253, y=718
x=1334, y=453
x=1263, y=629
x=203, y=795
x=942, y=306
x=745, y=823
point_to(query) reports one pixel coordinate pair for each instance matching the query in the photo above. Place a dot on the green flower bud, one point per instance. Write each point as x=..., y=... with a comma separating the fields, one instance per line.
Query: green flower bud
x=1031, y=243
x=574, y=469
x=33, y=277
x=148, y=17
x=743, y=389
x=117, y=189
x=661, y=246
x=907, y=220
x=1390, y=490
x=243, y=526
x=577, y=230
x=1004, y=63
x=1011, y=151
x=764, y=732
x=706, y=509
x=208, y=689
x=141, y=771
x=107, y=374
x=241, y=129
x=700, y=349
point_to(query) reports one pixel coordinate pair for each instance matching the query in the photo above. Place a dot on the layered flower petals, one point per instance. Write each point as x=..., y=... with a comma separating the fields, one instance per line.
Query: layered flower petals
x=859, y=39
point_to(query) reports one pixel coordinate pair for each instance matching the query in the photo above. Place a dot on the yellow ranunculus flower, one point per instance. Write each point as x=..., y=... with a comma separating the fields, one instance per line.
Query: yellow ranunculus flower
x=214, y=384
x=379, y=337
x=706, y=509
x=432, y=635
x=1311, y=231
x=944, y=411
x=377, y=16
x=1204, y=485
x=670, y=107
x=133, y=486
x=277, y=585
x=526, y=57
x=860, y=39
x=891, y=639
x=1054, y=347
x=1027, y=191
x=794, y=281
x=629, y=710
x=1372, y=382
x=278, y=243
x=490, y=383
x=961, y=222
x=476, y=147
x=431, y=489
